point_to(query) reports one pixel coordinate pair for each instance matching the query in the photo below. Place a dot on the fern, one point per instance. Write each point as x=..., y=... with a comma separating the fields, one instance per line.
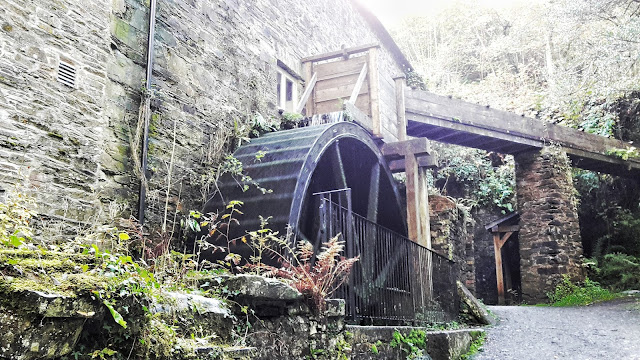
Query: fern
x=317, y=279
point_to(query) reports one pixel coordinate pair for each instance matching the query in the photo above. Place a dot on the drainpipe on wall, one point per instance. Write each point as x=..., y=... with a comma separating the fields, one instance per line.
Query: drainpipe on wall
x=147, y=112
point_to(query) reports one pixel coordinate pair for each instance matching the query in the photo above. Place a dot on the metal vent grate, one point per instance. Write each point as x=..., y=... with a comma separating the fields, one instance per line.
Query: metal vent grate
x=66, y=74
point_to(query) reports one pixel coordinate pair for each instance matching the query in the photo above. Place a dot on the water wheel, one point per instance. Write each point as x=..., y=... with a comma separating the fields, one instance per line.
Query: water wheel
x=290, y=166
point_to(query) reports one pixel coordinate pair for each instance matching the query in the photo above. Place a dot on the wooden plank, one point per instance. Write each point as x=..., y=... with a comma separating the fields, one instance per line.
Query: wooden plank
x=338, y=81
x=358, y=116
x=400, y=108
x=340, y=68
x=498, y=257
x=338, y=92
x=358, y=87
x=340, y=53
x=307, y=93
x=374, y=90
x=308, y=74
x=337, y=105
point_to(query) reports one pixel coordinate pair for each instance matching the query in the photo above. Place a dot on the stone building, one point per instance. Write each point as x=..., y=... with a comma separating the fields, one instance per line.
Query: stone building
x=73, y=83
x=72, y=76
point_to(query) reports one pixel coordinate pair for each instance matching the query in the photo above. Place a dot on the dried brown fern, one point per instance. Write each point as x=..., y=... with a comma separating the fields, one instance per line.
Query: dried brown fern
x=317, y=280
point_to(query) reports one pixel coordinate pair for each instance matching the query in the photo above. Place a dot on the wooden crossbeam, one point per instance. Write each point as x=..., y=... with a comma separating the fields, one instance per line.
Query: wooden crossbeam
x=307, y=93
x=503, y=229
x=396, y=150
x=340, y=53
x=427, y=161
x=356, y=90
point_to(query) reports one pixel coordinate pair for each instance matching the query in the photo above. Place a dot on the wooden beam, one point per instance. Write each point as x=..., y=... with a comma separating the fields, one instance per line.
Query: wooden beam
x=413, y=211
x=423, y=207
x=309, y=74
x=358, y=116
x=442, y=111
x=502, y=229
x=425, y=161
x=340, y=53
x=416, y=147
x=307, y=94
x=498, y=257
x=374, y=91
x=426, y=118
x=401, y=83
x=504, y=238
x=358, y=86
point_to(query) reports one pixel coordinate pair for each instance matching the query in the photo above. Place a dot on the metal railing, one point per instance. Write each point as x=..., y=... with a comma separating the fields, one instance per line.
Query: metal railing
x=396, y=279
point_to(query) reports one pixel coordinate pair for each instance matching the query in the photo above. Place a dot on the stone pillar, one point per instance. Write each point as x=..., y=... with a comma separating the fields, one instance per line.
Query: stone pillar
x=550, y=244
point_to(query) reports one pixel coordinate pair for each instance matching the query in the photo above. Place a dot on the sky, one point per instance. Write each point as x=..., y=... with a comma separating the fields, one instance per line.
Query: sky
x=390, y=11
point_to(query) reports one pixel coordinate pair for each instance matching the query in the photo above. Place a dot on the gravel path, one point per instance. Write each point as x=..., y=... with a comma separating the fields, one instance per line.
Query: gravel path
x=603, y=331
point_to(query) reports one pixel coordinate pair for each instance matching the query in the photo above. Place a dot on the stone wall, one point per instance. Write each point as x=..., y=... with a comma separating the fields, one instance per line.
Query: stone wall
x=215, y=64
x=550, y=245
x=452, y=236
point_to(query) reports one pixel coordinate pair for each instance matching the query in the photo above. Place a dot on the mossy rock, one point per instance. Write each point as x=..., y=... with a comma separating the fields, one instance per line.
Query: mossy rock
x=36, y=325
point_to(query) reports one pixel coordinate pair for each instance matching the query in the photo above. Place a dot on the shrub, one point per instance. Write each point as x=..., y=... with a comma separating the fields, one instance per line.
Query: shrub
x=620, y=271
x=568, y=293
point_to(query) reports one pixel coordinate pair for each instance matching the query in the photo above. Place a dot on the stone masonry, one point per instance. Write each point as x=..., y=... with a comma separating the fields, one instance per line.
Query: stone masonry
x=452, y=236
x=215, y=65
x=550, y=245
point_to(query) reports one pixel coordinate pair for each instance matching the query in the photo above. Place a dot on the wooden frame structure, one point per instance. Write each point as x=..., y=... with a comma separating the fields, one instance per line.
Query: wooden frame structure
x=340, y=77
x=501, y=234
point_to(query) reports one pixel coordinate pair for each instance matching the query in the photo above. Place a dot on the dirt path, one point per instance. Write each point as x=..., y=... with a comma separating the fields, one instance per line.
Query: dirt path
x=604, y=331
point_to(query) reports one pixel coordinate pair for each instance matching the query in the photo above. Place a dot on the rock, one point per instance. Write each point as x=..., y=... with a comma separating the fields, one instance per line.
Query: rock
x=475, y=309
x=45, y=326
x=261, y=288
x=631, y=293
x=195, y=313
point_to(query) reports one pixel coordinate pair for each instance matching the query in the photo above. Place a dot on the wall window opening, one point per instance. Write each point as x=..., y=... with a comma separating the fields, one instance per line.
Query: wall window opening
x=288, y=88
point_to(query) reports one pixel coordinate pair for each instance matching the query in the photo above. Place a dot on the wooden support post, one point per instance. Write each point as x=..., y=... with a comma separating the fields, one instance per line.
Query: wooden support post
x=413, y=210
x=374, y=91
x=423, y=198
x=498, y=256
x=498, y=243
x=401, y=82
x=410, y=152
x=307, y=69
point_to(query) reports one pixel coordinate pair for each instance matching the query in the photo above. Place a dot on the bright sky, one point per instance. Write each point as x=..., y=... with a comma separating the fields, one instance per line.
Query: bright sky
x=390, y=11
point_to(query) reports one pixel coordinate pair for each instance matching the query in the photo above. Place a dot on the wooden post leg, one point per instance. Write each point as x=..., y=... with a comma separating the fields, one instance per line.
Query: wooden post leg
x=423, y=204
x=413, y=212
x=498, y=256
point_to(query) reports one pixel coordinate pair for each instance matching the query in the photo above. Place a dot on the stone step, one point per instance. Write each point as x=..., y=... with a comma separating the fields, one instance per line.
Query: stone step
x=195, y=314
x=202, y=349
